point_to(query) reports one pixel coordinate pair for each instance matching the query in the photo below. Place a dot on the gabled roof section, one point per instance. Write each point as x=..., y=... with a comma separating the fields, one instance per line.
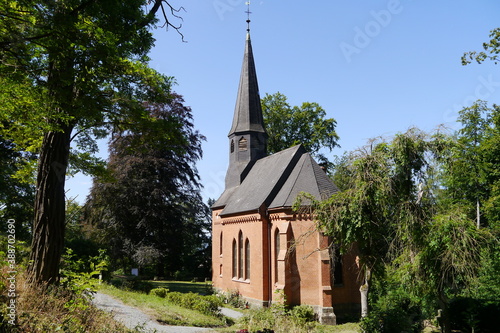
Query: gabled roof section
x=307, y=176
x=262, y=183
x=224, y=198
x=248, y=111
x=275, y=181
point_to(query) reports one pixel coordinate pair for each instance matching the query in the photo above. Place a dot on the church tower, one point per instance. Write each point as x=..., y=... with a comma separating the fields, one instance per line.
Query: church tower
x=247, y=137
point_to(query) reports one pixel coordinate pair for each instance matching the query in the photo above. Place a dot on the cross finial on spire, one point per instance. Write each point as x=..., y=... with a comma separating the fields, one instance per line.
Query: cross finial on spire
x=248, y=15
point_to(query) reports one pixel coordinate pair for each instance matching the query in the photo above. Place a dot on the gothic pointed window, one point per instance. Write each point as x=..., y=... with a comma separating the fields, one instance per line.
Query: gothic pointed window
x=247, y=259
x=220, y=244
x=235, y=260
x=242, y=144
x=232, y=146
x=276, y=253
x=240, y=255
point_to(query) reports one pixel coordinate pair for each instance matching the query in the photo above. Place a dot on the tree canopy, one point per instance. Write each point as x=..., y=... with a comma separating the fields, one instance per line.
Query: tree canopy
x=288, y=126
x=73, y=71
x=410, y=206
x=150, y=213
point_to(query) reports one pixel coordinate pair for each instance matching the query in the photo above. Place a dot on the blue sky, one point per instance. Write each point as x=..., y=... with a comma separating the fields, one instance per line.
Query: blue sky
x=377, y=67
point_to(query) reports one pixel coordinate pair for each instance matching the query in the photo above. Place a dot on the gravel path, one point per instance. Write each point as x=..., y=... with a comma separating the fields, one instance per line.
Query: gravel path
x=135, y=318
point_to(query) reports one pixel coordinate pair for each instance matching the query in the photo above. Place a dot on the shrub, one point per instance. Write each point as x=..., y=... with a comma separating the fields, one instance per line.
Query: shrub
x=233, y=298
x=469, y=314
x=258, y=320
x=393, y=313
x=160, y=292
x=208, y=305
x=43, y=309
x=132, y=284
x=303, y=312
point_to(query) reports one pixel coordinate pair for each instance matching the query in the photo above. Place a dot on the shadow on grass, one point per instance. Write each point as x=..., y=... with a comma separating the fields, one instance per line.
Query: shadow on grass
x=201, y=288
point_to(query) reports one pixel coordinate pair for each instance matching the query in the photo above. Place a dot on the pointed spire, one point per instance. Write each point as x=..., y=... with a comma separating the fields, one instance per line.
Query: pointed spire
x=248, y=111
x=247, y=137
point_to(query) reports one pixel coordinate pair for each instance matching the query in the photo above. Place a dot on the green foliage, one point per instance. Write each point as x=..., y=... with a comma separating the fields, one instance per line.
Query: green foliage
x=452, y=256
x=258, y=320
x=79, y=275
x=300, y=319
x=492, y=49
x=151, y=214
x=475, y=315
x=386, y=198
x=208, y=305
x=233, y=298
x=160, y=292
x=72, y=71
x=303, y=313
x=470, y=166
x=54, y=308
x=132, y=284
x=410, y=207
x=289, y=126
x=16, y=194
x=394, y=312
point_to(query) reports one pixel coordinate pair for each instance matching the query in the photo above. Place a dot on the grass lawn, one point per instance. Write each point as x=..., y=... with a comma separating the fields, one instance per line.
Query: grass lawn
x=172, y=314
x=163, y=311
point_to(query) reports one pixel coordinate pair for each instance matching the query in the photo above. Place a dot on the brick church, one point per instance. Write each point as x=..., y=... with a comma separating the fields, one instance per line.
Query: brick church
x=259, y=245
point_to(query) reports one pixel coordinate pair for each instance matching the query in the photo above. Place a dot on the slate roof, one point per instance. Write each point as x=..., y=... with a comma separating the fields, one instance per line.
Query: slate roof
x=307, y=176
x=248, y=111
x=275, y=181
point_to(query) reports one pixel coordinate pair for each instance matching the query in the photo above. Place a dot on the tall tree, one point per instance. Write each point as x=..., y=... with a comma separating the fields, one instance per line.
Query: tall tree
x=87, y=62
x=468, y=164
x=384, y=204
x=399, y=205
x=152, y=211
x=288, y=126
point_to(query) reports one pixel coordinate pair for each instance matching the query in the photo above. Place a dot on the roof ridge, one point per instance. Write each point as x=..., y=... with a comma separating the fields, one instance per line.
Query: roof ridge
x=297, y=176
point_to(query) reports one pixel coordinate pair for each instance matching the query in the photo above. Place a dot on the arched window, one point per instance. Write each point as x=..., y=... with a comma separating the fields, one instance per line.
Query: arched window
x=247, y=259
x=235, y=261
x=220, y=270
x=220, y=244
x=276, y=253
x=242, y=144
x=232, y=146
x=240, y=255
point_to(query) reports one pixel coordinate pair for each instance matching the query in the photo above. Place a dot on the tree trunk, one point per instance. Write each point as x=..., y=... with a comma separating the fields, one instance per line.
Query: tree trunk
x=365, y=287
x=445, y=321
x=49, y=221
x=478, y=215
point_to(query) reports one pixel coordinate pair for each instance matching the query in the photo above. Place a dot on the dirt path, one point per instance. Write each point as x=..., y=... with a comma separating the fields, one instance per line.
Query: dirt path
x=135, y=318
